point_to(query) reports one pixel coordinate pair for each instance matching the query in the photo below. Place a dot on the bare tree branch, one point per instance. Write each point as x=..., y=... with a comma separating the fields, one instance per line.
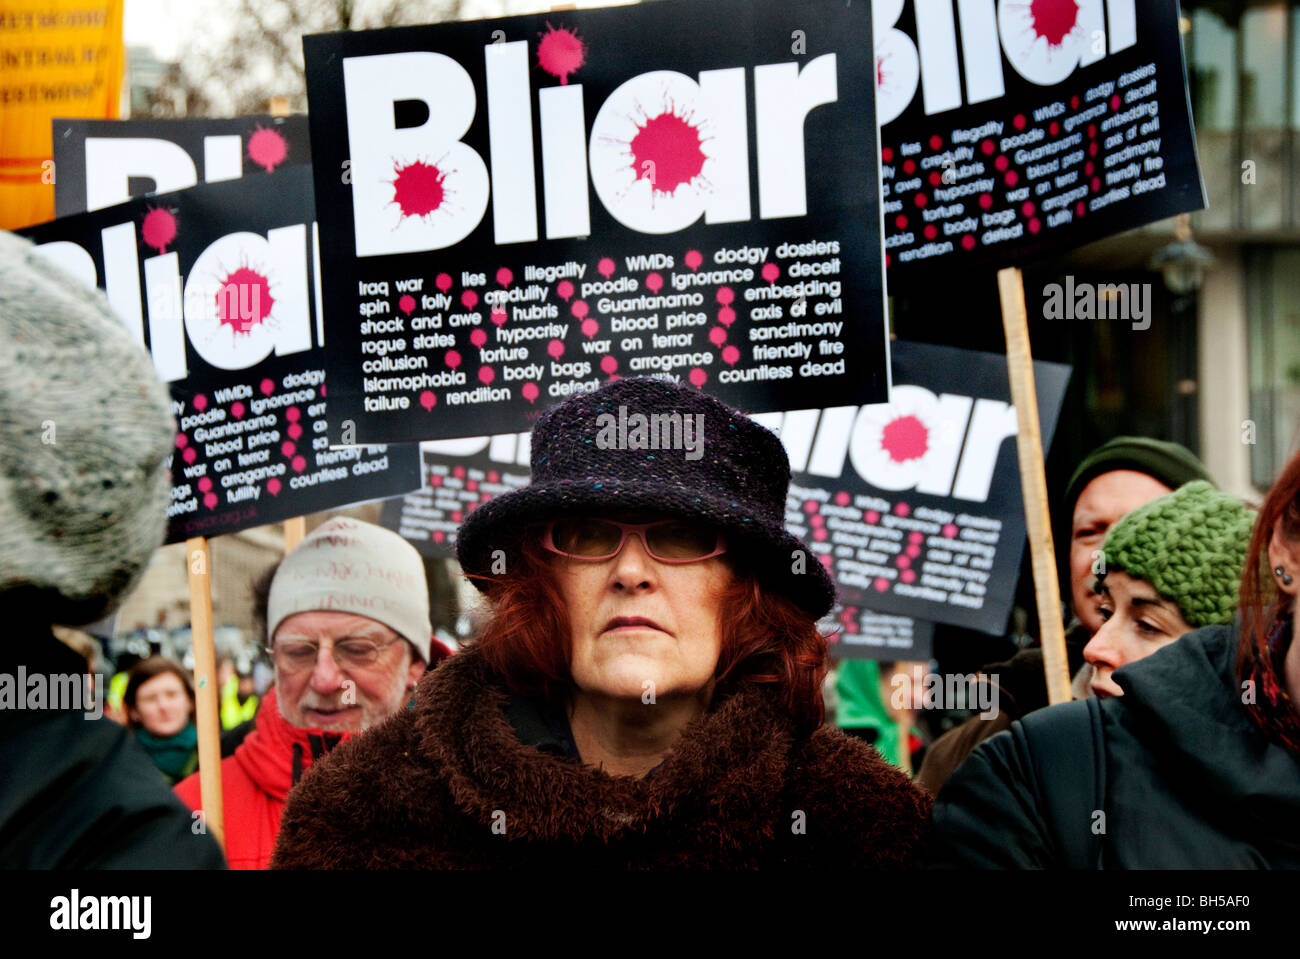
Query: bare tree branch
x=262, y=56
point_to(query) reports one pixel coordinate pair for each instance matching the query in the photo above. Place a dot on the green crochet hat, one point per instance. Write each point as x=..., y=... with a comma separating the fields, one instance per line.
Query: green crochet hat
x=1190, y=545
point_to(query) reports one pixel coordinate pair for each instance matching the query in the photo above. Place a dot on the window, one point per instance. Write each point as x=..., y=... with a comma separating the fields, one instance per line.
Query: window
x=1213, y=72
x=1273, y=345
x=1263, y=67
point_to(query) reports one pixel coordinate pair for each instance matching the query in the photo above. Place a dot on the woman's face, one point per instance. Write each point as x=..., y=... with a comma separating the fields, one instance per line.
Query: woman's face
x=162, y=705
x=1135, y=623
x=640, y=628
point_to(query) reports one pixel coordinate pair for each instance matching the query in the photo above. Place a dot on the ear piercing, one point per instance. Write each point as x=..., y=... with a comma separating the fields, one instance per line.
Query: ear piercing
x=1283, y=575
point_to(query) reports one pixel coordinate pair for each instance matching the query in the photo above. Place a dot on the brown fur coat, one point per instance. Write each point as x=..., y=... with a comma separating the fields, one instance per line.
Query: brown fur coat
x=449, y=785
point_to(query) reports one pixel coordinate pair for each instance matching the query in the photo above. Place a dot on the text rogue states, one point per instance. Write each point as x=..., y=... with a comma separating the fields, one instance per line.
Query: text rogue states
x=784, y=94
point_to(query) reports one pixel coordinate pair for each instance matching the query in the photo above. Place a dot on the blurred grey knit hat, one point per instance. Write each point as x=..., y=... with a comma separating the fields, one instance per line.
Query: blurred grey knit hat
x=85, y=430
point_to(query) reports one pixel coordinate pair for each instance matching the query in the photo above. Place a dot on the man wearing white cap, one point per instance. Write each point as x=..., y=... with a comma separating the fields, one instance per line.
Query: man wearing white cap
x=348, y=621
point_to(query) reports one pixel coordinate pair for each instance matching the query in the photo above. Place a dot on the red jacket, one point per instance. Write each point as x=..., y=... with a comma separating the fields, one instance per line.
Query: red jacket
x=256, y=780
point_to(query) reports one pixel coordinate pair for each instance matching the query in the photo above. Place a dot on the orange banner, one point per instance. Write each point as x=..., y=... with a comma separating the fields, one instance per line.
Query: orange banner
x=58, y=58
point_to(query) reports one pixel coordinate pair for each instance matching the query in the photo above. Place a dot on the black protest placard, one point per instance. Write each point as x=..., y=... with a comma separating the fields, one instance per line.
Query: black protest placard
x=915, y=505
x=459, y=476
x=1017, y=130
x=858, y=633
x=100, y=163
x=221, y=283
x=516, y=210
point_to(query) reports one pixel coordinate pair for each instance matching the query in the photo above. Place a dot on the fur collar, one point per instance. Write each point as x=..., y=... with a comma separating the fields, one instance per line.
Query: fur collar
x=730, y=759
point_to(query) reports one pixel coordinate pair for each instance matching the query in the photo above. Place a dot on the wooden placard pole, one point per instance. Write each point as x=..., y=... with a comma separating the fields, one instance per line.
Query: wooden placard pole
x=905, y=742
x=294, y=530
x=1033, y=484
x=208, y=720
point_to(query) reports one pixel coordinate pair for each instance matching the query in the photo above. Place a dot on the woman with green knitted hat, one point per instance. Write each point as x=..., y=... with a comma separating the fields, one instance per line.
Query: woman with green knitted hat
x=1168, y=567
x=1185, y=759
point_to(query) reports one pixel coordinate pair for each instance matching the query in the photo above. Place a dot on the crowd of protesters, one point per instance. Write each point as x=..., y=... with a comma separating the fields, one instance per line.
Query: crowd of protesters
x=645, y=688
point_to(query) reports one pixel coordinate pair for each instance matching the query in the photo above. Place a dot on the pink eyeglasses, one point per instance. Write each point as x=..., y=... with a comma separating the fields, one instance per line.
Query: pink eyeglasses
x=668, y=540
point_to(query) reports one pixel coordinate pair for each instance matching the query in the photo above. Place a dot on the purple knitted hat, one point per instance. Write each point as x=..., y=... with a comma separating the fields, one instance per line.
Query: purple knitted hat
x=631, y=446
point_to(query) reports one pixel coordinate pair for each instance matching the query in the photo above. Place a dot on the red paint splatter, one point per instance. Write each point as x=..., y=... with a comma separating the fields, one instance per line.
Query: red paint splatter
x=158, y=229
x=244, y=300
x=906, y=438
x=666, y=151
x=561, y=52
x=418, y=189
x=1053, y=19
x=267, y=148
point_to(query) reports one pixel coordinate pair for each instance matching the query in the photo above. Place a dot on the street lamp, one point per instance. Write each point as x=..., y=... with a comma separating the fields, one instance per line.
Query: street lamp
x=1182, y=263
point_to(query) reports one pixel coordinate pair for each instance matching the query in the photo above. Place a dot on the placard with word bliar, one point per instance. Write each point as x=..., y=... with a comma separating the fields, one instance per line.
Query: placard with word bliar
x=516, y=210
x=221, y=283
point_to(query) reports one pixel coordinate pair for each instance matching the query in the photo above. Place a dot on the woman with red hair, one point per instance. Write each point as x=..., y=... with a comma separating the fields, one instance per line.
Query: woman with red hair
x=647, y=690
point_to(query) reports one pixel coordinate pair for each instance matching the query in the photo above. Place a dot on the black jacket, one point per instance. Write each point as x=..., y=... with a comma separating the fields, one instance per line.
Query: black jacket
x=1174, y=774
x=80, y=793
x=468, y=780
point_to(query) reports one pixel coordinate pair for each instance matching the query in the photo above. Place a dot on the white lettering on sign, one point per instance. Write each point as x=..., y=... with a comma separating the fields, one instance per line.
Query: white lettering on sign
x=111, y=162
x=1043, y=42
x=246, y=295
x=401, y=178
x=957, y=441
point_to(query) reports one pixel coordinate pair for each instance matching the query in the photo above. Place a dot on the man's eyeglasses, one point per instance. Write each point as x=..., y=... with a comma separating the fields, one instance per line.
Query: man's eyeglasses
x=668, y=541
x=294, y=655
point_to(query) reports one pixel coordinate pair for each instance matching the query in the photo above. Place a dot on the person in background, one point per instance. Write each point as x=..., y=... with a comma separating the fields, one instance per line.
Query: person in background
x=647, y=690
x=1113, y=480
x=348, y=619
x=864, y=689
x=238, y=704
x=85, y=437
x=159, y=702
x=1167, y=766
